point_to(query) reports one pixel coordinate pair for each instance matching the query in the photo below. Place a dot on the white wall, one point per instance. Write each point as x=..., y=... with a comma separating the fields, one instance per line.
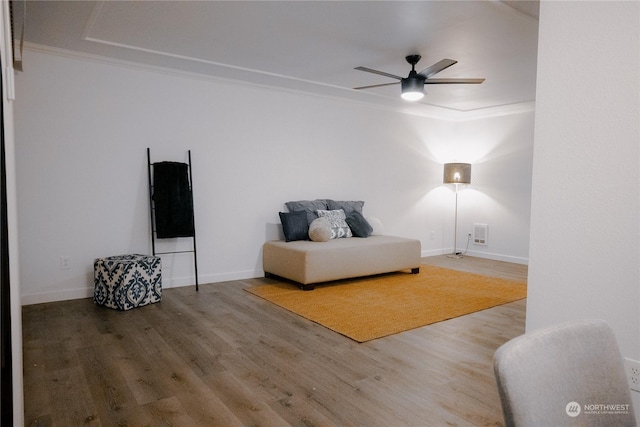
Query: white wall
x=8, y=93
x=500, y=150
x=585, y=227
x=83, y=126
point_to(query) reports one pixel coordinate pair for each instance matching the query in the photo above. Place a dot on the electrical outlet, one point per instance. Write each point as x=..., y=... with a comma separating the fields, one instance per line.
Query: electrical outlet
x=65, y=263
x=633, y=373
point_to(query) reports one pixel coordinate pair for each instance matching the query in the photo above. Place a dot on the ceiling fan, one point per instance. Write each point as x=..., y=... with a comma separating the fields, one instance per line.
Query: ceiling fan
x=413, y=84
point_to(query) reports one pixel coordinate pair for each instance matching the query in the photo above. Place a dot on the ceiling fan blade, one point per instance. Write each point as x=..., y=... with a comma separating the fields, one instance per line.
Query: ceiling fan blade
x=382, y=73
x=437, y=67
x=383, y=84
x=452, y=81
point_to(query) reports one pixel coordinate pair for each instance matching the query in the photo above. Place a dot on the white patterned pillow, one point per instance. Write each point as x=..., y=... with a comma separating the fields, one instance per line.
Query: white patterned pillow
x=338, y=220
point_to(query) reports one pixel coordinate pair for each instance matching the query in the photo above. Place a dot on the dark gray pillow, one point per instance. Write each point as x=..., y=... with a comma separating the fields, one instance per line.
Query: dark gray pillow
x=294, y=225
x=346, y=206
x=359, y=226
x=309, y=206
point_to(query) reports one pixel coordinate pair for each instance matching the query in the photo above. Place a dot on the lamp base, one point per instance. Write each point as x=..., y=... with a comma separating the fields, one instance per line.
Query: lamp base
x=455, y=256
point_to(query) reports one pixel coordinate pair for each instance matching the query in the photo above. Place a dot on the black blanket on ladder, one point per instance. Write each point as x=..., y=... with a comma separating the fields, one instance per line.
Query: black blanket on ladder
x=173, y=200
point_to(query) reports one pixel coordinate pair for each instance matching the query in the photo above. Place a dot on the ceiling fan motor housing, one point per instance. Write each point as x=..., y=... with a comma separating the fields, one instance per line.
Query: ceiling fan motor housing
x=413, y=83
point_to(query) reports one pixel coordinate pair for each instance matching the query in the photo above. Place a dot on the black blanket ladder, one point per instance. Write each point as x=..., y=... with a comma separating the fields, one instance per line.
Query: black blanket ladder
x=171, y=204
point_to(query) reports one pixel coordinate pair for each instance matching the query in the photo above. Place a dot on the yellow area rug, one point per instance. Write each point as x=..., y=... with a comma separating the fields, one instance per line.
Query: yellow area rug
x=368, y=308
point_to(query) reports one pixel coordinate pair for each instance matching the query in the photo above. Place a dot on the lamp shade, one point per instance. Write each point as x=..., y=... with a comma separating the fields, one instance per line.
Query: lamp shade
x=457, y=173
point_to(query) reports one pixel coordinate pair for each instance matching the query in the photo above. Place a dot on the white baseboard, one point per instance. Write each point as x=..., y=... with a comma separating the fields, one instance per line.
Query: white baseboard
x=172, y=282
x=485, y=255
x=499, y=257
x=432, y=252
x=62, y=295
x=177, y=282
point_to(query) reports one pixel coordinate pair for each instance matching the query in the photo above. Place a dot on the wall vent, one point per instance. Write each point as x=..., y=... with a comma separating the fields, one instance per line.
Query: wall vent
x=480, y=234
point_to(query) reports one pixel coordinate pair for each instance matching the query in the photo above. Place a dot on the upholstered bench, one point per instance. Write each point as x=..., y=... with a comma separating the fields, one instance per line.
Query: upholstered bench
x=308, y=262
x=127, y=281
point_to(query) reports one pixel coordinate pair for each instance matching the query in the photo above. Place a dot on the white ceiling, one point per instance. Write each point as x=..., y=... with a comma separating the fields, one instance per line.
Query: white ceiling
x=309, y=46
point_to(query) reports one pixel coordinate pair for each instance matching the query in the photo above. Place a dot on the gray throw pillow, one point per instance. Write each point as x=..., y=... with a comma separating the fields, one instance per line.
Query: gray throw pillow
x=347, y=206
x=359, y=226
x=309, y=206
x=294, y=225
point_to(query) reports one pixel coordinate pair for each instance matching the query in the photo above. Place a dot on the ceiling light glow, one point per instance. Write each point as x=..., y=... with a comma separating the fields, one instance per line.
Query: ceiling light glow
x=412, y=88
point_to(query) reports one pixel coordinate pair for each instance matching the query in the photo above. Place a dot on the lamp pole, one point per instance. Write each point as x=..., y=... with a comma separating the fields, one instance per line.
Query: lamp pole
x=455, y=228
x=456, y=173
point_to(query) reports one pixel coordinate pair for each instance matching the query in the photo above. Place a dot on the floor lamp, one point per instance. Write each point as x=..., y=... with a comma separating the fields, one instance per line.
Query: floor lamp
x=456, y=173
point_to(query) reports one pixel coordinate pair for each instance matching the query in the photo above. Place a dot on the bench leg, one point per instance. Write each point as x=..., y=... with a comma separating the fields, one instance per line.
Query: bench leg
x=415, y=270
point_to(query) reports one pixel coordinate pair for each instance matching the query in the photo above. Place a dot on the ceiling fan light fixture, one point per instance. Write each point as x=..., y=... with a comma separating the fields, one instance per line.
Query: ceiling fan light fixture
x=412, y=88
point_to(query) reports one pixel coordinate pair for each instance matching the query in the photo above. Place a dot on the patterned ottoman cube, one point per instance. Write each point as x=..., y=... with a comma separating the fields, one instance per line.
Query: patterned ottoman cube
x=127, y=281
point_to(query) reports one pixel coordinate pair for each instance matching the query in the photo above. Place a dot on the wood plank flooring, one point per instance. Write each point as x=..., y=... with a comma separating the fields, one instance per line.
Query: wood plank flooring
x=223, y=357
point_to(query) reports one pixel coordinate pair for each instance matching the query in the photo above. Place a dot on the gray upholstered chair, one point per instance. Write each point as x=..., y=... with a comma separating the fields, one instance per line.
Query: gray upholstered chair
x=567, y=375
